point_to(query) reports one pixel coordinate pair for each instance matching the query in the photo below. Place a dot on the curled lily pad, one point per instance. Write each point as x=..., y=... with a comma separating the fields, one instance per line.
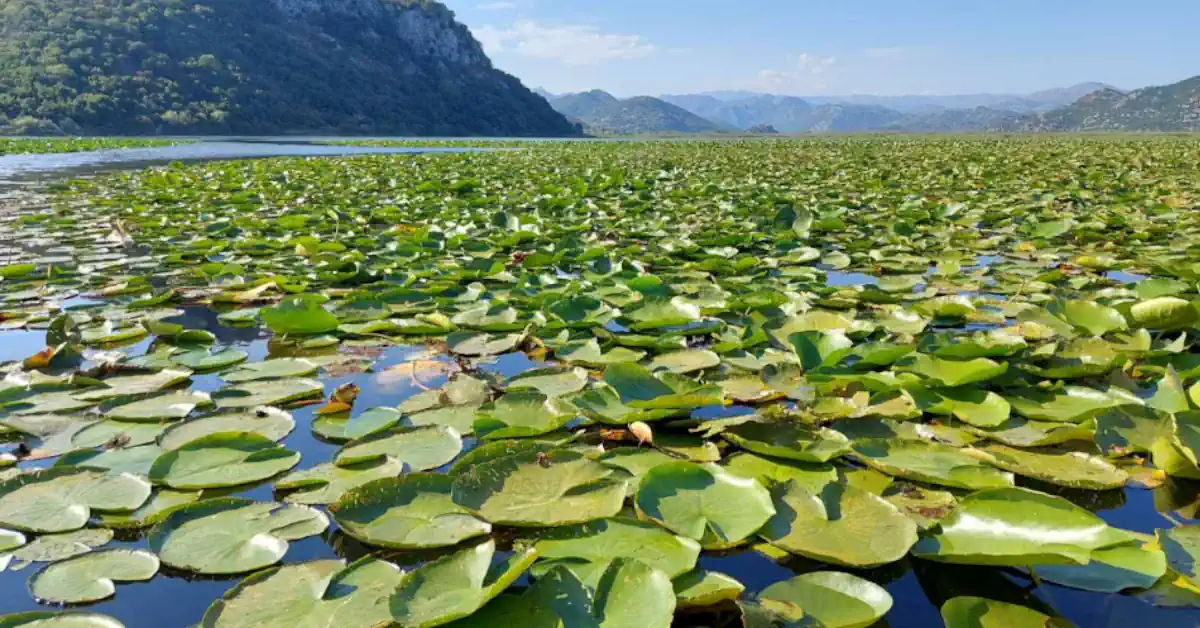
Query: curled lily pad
x=586, y=549
x=789, y=439
x=701, y=587
x=839, y=524
x=456, y=586
x=326, y=592
x=555, y=488
x=268, y=422
x=231, y=535
x=834, y=599
x=55, y=547
x=163, y=407
x=418, y=448
x=341, y=428
x=326, y=482
x=977, y=612
x=414, y=511
x=160, y=503
x=481, y=344
x=269, y=393
x=90, y=577
x=1164, y=313
x=703, y=502
x=1070, y=469
x=222, y=459
x=1182, y=548
x=136, y=385
x=1111, y=570
x=769, y=471
x=951, y=373
x=1020, y=432
x=62, y=499
x=931, y=462
x=1018, y=527
x=981, y=408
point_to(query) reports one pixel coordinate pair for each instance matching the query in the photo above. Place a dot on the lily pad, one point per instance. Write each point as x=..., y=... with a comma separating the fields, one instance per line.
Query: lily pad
x=977, y=612
x=834, y=599
x=301, y=315
x=701, y=587
x=414, y=511
x=703, y=502
x=164, y=407
x=789, y=439
x=278, y=368
x=931, y=462
x=269, y=393
x=587, y=549
x=1069, y=469
x=55, y=547
x=62, y=500
x=222, y=459
x=522, y=414
x=90, y=577
x=327, y=482
x=456, y=586
x=267, y=422
x=417, y=448
x=231, y=535
x=1111, y=570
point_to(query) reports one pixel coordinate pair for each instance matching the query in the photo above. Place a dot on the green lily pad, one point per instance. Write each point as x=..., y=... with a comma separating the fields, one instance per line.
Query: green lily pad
x=549, y=382
x=269, y=393
x=789, y=439
x=222, y=459
x=56, y=547
x=339, y=428
x=231, y=535
x=586, y=549
x=977, y=612
x=981, y=408
x=952, y=373
x=319, y=592
x=1164, y=313
x=136, y=385
x=300, y=315
x=59, y=619
x=278, y=368
x=455, y=586
x=700, y=587
x=418, y=448
x=1018, y=527
x=834, y=599
x=200, y=360
x=704, y=503
x=686, y=361
x=1111, y=570
x=131, y=433
x=1069, y=469
x=132, y=460
x=160, y=503
x=931, y=462
x=268, y=422
x=1073, y=404
x=1182, y=547
x=90, y=577
x=522, y=414
x=327, y=482
x=62, y=500
x=164, y=407
x=480, y=344
x=1020, y=432
x=839, y=524
x=770, y=471
x=414, y=511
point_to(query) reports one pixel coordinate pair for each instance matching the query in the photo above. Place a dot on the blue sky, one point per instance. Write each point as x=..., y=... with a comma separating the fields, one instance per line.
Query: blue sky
x=815, y=47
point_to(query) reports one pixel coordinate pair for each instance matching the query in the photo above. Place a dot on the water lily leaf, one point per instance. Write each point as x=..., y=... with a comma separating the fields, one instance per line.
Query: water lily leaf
x=838, y=524
x=410, y=512
x=1177, y=451
x=326, y=482
x=1111, y=570
x=522, y=414
x=1018, y=527
x=1164, y=313
x=977, y=612
x=686, y=361
x=267, y=422
x=222, y=459
x=556, y=488
x=638, y=388
x=459, y=418
x=160, y=503
x=586, y=549
x=131, y=433
x=278, y=368
x=201, y=360
x=1072, y=404
x=1169, y=395
x=818, y=349
x=834, y=599
x=90, y=577
x=931, y=462
x=981, y=408
x=1019, y=432
x=992, y=344
x=952, y=373
x=549, y=382
x=418, y=448
x=59, y=619
x=301, y=314
x=163, y=407
x=55, y=547
x=231, y=535
x=136, y=385
x=1090, y=316
x=789, y=439
x=926, y=507
x=132, y=460
x=269, y=393
x=1070, y=469
x=455, y=586
x=703, y=502
x=658, y=312
x=319, y=592
x=700, y=587
x=1130, y=429
x=588, y=353
x=339, y=428
x=1182, y=547
x=479, y=344
x=770, y=471
x=62, y=499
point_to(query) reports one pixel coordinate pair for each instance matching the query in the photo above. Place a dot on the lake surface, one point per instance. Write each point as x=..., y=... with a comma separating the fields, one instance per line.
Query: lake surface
x=174, y=599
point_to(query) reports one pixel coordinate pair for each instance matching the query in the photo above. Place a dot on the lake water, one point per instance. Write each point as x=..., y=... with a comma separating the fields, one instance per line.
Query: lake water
x=174, y=599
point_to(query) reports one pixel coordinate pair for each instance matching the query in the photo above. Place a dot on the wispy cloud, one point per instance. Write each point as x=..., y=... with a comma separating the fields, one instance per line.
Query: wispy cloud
x=570, y=44
x=496, y=6
x=807, y=72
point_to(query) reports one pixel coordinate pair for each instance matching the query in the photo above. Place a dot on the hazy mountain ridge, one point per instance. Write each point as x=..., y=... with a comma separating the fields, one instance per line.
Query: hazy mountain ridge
x=397, y=67
x=604, y=114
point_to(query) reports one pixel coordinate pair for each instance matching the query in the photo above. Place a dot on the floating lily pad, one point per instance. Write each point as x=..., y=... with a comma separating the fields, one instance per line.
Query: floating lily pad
x=1111, y=570
x=160, y=503
x=201, y=360
x=932, y=462
x=164, y=407
x=326, y=482
x=269, y=393
x=132, y=460
x=410, y=512
x=456, y=586
x=701, y=587
x=1069, y=469
x=976, y=612
x=834, y=599
x=222, y=459
x=59, y=619
x=278, y=368
x=418, y=448
x=135, y=385
x=300, y=314
x=704, y=503
x=62, y=500
x=90, y=577
x=789, y=439
x=549, y=382
x=522, y=414
x=231, y=535
x=55, y=547
x=586, y=549
x=267, y=422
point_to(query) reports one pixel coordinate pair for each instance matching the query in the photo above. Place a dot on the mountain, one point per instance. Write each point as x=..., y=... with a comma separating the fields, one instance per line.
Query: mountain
x=602, y=113
x=962, y=120
x=1174, y=107
x=1063, y=96
x=394, y=67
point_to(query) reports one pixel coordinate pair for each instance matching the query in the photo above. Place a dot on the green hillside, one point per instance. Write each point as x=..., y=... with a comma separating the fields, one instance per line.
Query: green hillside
x=604, y=114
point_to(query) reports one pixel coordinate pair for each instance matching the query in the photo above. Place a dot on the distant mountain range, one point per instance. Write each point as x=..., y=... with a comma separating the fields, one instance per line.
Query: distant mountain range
x=1082, y=107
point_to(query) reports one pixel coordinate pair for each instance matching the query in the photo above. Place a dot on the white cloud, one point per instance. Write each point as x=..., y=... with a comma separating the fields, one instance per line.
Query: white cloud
x=808, y=72
x=569, y=44
x=496, y=6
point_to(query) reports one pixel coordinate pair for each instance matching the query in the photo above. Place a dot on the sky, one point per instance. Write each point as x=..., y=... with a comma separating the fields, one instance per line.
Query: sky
x=836, y=47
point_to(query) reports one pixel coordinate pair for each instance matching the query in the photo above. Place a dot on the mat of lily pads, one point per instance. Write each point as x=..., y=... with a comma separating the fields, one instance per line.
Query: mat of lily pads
x=827, y=382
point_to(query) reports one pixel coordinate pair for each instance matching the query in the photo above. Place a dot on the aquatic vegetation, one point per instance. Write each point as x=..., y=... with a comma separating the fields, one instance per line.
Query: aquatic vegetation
x=564, y=385
x=20, y=146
